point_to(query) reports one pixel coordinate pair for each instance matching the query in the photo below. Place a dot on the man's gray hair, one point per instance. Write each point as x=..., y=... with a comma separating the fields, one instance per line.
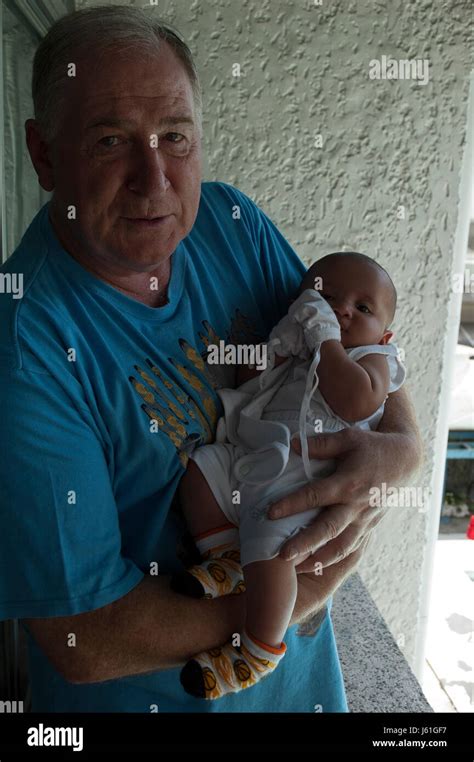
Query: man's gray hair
x=96, y=30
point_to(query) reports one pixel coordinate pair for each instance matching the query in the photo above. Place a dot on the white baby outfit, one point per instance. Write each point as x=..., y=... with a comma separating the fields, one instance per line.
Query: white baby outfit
x=251, y=464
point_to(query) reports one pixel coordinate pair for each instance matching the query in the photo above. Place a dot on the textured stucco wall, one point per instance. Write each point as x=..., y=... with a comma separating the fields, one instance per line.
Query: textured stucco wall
x=385, y=144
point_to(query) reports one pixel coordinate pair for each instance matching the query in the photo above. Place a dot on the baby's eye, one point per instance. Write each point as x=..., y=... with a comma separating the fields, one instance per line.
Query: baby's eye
x=364, y=308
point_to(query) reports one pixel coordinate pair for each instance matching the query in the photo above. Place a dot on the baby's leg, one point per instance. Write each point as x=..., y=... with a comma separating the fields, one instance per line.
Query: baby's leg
x=271, y=588
x=217, y=540
x=271, y=594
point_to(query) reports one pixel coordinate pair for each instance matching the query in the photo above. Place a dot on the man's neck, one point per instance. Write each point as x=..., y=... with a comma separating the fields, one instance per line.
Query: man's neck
x=150, y=288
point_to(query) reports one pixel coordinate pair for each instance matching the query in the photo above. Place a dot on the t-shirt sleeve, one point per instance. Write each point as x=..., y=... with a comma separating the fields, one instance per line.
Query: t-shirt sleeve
x=60, y=539
x=282, y=268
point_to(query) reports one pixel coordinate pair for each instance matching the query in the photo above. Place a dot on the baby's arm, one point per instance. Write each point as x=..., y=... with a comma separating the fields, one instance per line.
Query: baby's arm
x=354, y=390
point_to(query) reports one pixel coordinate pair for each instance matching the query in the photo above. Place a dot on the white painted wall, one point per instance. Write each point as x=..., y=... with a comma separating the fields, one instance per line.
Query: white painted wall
x=23, y=23
x=385, y=144
x=23, y=194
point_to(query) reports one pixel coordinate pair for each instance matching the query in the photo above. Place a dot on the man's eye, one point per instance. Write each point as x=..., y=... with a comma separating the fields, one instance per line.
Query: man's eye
x=108, y=137
x=175, y=144
x=175, y=135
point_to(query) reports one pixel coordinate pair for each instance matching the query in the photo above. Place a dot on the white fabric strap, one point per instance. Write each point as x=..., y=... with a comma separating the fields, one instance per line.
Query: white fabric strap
x=309, y=391
x=309, y=322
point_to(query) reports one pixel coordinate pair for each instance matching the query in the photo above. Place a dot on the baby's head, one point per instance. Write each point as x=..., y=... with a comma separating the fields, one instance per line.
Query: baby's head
x=361, y=294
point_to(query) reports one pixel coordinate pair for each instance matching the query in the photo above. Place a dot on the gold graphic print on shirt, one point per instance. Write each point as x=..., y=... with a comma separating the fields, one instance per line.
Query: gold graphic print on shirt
x=176, y=411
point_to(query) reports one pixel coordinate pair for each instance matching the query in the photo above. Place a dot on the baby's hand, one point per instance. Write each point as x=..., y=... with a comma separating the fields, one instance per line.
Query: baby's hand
x=310, y=320
x=316, y=317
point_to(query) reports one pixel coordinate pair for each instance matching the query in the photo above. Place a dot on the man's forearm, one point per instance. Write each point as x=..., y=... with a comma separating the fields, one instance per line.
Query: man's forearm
x=398, y=456
x=399, y=418
x=160, y=631
x=149, y=629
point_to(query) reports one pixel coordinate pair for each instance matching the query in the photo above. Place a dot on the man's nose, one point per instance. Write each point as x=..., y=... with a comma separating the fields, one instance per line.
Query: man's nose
x=149, y=173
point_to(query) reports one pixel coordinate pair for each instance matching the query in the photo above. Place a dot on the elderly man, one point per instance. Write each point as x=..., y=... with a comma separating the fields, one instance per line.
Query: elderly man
x=130, y=271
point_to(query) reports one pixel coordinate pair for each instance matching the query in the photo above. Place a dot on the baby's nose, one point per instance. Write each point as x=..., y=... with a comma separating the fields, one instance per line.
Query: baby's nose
x=342, y=309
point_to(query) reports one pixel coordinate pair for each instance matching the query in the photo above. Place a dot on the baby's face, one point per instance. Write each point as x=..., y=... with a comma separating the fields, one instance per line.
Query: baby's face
x=359, y=295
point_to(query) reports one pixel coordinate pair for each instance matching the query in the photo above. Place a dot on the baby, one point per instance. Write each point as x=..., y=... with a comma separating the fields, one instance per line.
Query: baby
x=338, y=324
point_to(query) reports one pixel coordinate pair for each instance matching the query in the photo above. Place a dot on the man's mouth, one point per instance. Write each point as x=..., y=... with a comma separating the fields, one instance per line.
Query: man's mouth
x=148, y=221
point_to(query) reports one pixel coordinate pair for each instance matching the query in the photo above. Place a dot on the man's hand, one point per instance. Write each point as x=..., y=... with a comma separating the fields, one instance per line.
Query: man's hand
x=365, y=460
x=314, y=591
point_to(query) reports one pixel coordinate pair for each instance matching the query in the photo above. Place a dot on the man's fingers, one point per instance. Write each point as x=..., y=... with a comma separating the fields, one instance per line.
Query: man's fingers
x=327, y=445
x=325, y=527
x=341, y=487
x=339, y=571
x=302, y=500
x=337, y=550
x=318, y=494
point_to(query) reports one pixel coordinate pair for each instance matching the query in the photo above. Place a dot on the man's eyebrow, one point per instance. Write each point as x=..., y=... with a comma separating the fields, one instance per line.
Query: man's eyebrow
x=107, y=121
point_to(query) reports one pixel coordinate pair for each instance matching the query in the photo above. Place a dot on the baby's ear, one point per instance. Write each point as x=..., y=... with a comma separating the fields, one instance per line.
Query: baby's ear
x=386, y=337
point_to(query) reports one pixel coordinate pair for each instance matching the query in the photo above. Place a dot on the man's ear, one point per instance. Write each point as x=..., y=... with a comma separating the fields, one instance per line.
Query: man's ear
x=386, y=337
x=40, y=155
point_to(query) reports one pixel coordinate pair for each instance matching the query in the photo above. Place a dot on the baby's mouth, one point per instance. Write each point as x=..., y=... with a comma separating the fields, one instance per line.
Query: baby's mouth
x=341, y=325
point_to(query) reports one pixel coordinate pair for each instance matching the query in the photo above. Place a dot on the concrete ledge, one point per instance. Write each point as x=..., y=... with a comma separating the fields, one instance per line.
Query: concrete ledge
x=376, y=674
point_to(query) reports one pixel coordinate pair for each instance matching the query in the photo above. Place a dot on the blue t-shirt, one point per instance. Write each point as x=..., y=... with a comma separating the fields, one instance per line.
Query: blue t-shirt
x=87, y=479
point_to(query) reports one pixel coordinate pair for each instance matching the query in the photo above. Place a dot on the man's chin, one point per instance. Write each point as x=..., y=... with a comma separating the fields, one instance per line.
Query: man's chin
x=143, y=256
x=145, y=266
x=141, y=263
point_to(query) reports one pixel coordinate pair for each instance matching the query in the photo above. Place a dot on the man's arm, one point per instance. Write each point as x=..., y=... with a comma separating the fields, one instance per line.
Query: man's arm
x=66, y=558
x=149, y=629
x=399, y=418
x=153, y=628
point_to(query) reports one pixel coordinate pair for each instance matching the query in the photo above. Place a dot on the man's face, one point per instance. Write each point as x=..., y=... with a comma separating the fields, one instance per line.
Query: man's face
x=106, y=163
x=358, y=295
